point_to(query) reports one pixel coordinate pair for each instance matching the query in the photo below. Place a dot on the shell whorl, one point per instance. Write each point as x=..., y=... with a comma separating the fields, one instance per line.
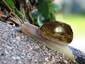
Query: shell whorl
x=57, y=31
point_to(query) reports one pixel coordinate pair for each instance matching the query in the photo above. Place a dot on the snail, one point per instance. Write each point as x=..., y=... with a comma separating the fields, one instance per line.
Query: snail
x=55, y=35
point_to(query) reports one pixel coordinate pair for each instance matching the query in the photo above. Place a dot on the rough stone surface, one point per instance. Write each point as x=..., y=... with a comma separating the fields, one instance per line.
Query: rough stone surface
x=18, y=48
x=79, y=55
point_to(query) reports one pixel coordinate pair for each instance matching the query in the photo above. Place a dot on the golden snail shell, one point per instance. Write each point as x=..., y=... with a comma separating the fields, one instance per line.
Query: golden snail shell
x=57, y=31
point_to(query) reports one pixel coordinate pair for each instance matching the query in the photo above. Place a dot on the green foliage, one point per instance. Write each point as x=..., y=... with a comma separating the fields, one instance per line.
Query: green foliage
x=10, y=3
x=46, y=10
x=43, y=8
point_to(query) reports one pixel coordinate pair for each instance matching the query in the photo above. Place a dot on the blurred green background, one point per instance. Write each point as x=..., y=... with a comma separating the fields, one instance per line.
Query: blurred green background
x=77, y=23
x=73, y=13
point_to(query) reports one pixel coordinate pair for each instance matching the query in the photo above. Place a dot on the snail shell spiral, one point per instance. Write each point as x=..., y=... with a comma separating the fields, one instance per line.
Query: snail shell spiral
x=57, y=31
